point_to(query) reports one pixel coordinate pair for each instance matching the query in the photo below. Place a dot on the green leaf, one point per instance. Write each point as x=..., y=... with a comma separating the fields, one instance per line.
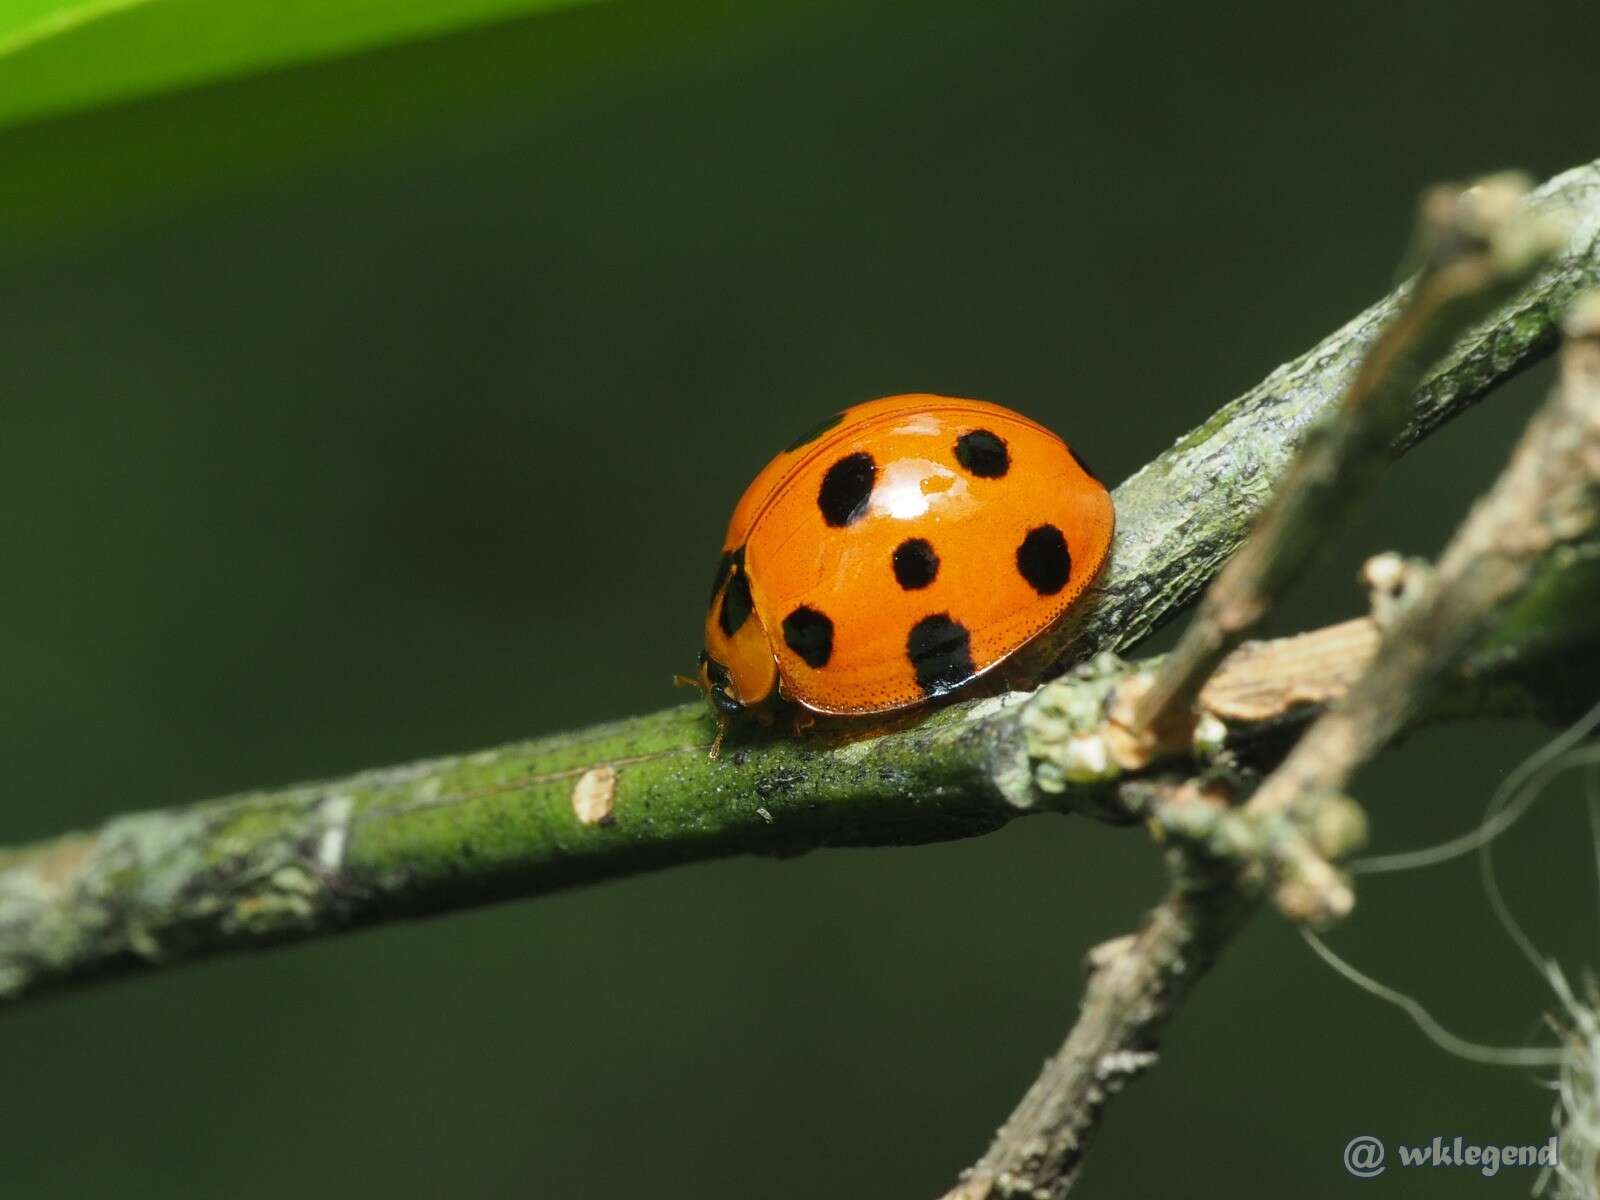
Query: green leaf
x=59, y=56
x=160, y=108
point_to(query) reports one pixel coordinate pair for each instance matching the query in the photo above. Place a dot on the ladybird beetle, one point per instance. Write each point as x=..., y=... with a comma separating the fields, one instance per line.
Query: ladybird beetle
x=894, y=553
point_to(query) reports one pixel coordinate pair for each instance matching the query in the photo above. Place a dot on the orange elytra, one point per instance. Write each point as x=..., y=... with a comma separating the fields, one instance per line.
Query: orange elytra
x=895, y=553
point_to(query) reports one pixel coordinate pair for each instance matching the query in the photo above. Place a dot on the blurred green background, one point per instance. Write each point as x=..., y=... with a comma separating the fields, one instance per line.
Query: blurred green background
x=392, y=406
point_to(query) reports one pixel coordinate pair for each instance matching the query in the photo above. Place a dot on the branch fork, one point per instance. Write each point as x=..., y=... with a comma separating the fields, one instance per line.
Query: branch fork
x=1478, y=245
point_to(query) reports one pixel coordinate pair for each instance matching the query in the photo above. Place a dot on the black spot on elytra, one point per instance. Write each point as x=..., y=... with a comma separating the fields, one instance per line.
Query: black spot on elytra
x=1044, y=560
x=730, y=560
x=736, y=604
x=812, y=434
x=1083, y=466
x=915, y=564
x=810, y=635
x=940, y=651
x=983, y=454
x=846, y=488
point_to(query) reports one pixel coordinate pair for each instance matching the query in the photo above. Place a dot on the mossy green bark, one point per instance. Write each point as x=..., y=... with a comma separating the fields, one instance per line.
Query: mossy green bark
x=261, y=868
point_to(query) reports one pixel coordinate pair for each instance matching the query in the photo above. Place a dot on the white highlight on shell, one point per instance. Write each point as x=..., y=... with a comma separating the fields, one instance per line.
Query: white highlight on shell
x=920, y=424
x=906, y=489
